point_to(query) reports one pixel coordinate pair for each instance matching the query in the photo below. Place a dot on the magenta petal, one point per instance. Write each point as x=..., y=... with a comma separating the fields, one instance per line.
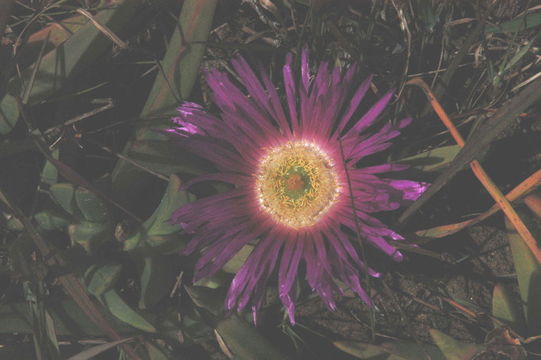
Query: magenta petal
x=355, y=101
x=372, y=114
x=305, y=69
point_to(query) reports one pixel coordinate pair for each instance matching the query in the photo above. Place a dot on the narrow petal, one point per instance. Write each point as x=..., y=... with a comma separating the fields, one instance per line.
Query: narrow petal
x=370, y=117
x=354, y=103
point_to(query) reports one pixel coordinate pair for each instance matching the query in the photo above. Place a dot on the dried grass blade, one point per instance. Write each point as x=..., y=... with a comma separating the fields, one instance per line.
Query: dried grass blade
x=524, y=187
x=480, y=173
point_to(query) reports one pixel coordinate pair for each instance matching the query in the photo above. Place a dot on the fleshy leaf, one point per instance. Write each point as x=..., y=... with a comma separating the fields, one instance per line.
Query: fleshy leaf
x=157, y=279
x=91, y=206
x=390, y=351
x=432, y=160
x=180, y=70
x=103, y=278
x=519, y=23
x=124, y=312
x=156, y=228
x=49, y=174
x=64, y=194
x=9, y=114
x=156, y=352
x=245, y=342
x=80, y=50
x=90, y=234
x=50, y=220
x=207, y=298
x=505, y=309
x=453, y=349
x=234, y=264
x=67, y=316
x=528, y=272
x=94, y=351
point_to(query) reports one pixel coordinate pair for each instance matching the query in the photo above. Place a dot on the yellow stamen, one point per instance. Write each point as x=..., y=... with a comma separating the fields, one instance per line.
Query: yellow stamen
x=296, y=183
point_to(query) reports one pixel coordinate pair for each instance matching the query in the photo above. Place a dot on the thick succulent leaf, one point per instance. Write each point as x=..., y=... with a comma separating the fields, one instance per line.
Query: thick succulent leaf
x=102, y=278
x=9, y=113
x=234, y=264
x=207, y=298
x=67, y=317
x=90, y=234
x=49, y=174
x=64, y=194
x=432, y=160
x=155, y=230
x=55, y=34
x=180, y=69
x=506, y=309
x=92, y=207
x=73, y=55
x=520, y=23
x=398, y=350
x=157, y=279
x=245, y=342
x=156, y=352
x=94, y=351
x=119, y=308
x=453, y=349
x=182, y=60
x=528, y=272
x=174, y=197
x=534, y=303
x=50, y=220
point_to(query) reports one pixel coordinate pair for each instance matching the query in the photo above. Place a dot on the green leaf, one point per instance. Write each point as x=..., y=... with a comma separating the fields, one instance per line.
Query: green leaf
x=432, y=160
x=92, y=352
x=9, y=114
x=14, y=224
x=73, y=55
x=67, y=317
x=91, y=206
x=234, y=264
x=102, y=278
x=124, y=312
x=505, y=309
x=50, y=220
x=155, y=230
x=527, y=269
x=245, y=342
x=180, y=70
x=158, y=223
x=157, y=279
x=182, y=59
x=207, y=298
x=64, y=193
x=399, y=350
x=90, y=234
x=8, y=147
x=453, y=349
x=534, y=304
x=49, y=174
x=156, y=352
x=55, y=34
x=520, y=23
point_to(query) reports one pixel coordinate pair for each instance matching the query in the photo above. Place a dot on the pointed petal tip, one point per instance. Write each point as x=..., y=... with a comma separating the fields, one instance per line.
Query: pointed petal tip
x=398, y=256
x=405, y=122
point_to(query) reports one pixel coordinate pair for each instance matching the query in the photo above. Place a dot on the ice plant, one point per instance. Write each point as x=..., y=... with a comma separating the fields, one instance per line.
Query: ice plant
x=297, y=189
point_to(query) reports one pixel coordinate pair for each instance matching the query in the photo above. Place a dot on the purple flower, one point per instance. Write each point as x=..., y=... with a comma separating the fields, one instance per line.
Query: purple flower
x=296, y=188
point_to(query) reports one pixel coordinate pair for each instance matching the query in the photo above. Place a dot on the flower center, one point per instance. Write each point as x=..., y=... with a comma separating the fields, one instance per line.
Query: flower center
x=297, y=184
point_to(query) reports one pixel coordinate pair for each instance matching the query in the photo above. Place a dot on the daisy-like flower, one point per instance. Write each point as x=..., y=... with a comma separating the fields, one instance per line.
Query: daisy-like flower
x=297, y=189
